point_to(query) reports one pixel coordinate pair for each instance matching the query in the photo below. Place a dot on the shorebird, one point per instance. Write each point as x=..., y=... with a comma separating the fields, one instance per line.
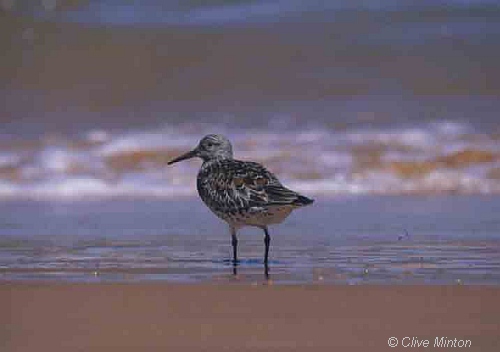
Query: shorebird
x=242, y=193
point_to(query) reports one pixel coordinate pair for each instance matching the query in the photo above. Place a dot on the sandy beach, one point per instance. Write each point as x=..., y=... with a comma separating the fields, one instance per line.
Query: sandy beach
x=154, y=317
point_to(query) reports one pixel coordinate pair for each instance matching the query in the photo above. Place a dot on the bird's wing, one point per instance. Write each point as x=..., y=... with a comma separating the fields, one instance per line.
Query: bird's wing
x=257, y=186
x=232, y=185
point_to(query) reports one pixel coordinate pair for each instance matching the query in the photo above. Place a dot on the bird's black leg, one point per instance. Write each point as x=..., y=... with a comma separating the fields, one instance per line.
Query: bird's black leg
x=234, y=242
x=267, y=241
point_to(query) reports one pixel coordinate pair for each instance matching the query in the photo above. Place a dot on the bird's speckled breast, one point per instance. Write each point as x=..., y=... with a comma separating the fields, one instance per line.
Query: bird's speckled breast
x=214, y=187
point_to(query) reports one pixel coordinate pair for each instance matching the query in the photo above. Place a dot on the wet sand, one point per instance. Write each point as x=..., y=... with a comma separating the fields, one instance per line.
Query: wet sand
x=343, y=240
x=154, y=317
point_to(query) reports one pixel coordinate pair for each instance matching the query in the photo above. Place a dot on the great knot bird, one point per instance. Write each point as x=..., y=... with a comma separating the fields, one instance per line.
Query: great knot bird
x=242, y=193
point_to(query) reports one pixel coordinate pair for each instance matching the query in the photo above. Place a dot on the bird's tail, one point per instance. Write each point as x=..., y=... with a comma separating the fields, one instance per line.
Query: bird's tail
x=302, y=201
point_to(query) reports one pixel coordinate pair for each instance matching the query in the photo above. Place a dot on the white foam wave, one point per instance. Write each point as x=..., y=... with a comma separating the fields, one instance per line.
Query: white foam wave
x=313, y=161
x=86, y=187
x=149, y=140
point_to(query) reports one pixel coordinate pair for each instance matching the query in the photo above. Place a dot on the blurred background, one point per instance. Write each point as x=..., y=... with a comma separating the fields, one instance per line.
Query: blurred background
x=386, y=97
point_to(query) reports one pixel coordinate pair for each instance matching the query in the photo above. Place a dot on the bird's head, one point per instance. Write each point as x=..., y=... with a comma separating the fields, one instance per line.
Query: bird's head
x=212, y=146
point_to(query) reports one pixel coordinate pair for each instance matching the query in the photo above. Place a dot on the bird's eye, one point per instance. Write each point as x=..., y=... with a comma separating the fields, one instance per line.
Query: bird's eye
x=210, y=144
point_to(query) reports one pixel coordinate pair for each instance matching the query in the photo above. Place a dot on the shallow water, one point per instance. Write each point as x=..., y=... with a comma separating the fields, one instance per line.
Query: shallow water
x=346, y=240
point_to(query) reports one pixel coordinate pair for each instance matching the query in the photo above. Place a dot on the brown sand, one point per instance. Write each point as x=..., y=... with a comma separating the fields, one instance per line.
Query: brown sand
x=170, y=317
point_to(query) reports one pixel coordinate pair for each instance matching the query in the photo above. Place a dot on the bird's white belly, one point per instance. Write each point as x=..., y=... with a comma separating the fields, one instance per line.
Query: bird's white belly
x=257, y=216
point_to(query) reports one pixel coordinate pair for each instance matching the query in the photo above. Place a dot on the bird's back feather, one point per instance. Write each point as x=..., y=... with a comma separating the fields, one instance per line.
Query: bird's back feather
x=229, y=185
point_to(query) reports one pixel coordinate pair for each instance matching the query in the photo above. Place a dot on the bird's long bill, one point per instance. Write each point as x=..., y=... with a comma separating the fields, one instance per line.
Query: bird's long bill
x=188, y=155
